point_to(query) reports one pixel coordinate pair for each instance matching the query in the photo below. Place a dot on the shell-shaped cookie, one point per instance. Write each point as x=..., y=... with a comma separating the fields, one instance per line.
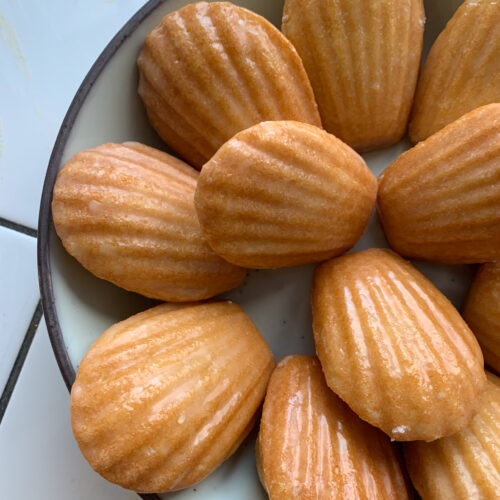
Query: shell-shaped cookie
x=362, y=59
x=465, y=465
x=393, y=347
x=440, y=201
x=162, y=398
x=209, y=70
x=462, y=71
x=284, y=193
x=311, y=446
x=126, y=213
x=482, y=312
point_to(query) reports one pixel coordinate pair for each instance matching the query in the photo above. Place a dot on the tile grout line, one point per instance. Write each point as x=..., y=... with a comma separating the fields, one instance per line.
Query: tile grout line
x=21, y=357
x=20, y=228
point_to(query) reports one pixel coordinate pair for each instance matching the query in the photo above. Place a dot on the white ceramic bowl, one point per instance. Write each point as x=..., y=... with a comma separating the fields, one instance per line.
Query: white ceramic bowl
x=79, y=307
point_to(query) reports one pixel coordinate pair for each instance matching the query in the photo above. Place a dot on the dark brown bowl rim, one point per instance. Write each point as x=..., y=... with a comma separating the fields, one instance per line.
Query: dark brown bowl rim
x=45, y=221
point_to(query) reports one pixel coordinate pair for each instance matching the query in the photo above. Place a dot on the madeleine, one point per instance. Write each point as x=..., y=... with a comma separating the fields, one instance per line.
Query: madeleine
x=312, y=446
x=282, y=194
x=465, y=465
x=209, y=70
x=394, y=348
x=126, y=213
x=362, y=58
x=440, y=200
x=162, y=398
x=462, y=70
x=482, y=312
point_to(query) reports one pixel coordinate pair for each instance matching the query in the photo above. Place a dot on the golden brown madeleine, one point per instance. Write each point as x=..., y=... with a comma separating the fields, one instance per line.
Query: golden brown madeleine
x=465, y=465
x=462, y=71
x=126, y=213
x=482, y=312
x=362, y=59
x=209, y=70
x=393, y=347
x=162, y=398
x=440, y=201
x=311, y=446
x=284, y=193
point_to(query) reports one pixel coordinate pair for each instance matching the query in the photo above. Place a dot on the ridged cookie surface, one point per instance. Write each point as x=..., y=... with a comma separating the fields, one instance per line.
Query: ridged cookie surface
x=393, y=347
x=162, y=398
x=311, y=446
x=462, y=71
x=126, y=213
x=463, y=466
x=440, y=201
x=362, y=58
x=482, y=312
x=284, y=193
x=209, y=70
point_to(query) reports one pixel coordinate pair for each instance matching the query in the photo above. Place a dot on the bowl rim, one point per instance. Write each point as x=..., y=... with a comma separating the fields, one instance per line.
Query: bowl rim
x=45, y=220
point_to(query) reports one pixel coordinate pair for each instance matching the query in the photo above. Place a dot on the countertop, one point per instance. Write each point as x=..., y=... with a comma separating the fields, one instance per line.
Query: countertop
x=46, y=49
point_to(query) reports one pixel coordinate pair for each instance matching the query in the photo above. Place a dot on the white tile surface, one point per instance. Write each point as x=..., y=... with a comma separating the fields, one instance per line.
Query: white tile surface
x=18, y=295
x=46, y=49
x=39, y=457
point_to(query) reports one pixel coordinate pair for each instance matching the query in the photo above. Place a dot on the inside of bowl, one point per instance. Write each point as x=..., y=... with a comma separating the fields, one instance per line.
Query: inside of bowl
x=278, y=301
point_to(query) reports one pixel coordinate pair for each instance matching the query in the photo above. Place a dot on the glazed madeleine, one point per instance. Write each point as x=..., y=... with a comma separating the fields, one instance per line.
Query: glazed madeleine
x=440, y=201
x=311, y=446
x=126, y=213
x=362, y=59
x=162, y=398
x=465, y=465
x=209, y=70
x=284, y=193
x=462, y=71
x=482, y=312
x=393, y=347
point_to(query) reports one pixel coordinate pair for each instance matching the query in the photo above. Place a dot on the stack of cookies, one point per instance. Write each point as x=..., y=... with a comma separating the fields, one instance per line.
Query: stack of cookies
x=269, y=125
